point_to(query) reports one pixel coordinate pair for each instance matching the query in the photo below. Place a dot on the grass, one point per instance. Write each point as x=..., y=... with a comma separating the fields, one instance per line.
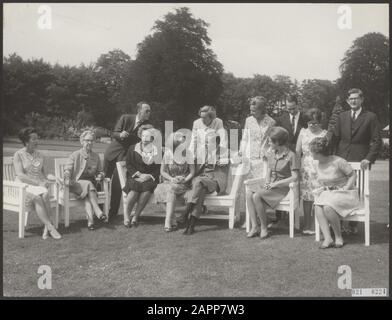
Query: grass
x=215, y=262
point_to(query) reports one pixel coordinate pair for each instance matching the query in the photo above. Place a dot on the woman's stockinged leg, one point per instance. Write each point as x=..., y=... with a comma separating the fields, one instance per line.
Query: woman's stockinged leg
x=143, y=199
x=41, y=210
x=170, y=205
x=92, y=196
x=252, y=211
x=334, y=221
x=307, y=205
x=324, y=225
x=131, y=199
x=89, y=211
x=260, y=209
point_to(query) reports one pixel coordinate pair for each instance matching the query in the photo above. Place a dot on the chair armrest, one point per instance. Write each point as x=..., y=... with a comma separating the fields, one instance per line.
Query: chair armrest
x=13, y=192
x=293, y=185
x=14, y=184
x=253, y=181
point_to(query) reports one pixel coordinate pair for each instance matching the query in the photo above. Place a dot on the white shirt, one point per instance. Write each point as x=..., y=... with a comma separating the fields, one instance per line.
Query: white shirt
x=357, y=113
x=136, y=121
x=296, y=117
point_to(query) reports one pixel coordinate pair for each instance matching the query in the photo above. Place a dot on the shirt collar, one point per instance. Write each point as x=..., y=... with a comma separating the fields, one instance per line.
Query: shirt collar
x=85, y=155
x=357, y=112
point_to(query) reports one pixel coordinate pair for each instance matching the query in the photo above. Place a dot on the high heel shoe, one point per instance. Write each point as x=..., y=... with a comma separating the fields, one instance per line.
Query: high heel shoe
x=45, y=233
x=253, y=233
x=53, y=232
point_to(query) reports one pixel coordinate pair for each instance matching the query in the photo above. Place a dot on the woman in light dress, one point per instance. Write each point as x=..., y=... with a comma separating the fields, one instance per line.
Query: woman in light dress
x=337, y=197
x=177, y=171
x=308, y=175
x=254, y=146
x=29, y=169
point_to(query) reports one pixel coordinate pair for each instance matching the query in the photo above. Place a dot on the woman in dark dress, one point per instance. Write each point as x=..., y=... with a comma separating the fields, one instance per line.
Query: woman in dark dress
x=283, y=167
x=142, y=175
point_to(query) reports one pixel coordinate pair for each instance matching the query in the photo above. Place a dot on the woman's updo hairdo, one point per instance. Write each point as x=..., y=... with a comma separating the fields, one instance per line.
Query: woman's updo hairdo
x=319, y=145
x=142, y=128
x=24, y=134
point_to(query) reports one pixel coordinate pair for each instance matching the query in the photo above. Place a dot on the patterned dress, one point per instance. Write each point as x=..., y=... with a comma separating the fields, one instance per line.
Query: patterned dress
x=32, y=167
x=167, y=191
x=333, y=176
x=308, y=172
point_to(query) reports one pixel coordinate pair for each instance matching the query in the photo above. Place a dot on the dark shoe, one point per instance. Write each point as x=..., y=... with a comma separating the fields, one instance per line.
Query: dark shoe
x=102, y=217
x=127, y=224
x=191, y=226
x=134, y=223
x=265, y=236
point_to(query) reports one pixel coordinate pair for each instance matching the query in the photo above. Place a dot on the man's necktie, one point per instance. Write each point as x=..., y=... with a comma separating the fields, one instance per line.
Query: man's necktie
x=293, y=123
x=353, y=116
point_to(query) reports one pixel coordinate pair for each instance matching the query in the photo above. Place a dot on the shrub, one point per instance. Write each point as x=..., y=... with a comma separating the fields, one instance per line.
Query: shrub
x=385, y=151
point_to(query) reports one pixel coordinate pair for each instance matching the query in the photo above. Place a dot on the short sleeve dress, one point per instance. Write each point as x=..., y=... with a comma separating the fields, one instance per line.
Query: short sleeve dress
x=334, y=175
x=32, y=167
x=168, y=191
x=281, y=168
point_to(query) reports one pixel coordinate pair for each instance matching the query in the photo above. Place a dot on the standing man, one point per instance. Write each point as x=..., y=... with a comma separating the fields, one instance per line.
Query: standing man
x=293, y=121
x=357, y=135
x=125, y=135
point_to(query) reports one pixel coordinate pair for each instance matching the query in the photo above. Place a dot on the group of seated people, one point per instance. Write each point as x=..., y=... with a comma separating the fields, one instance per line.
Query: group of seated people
x=178, y=172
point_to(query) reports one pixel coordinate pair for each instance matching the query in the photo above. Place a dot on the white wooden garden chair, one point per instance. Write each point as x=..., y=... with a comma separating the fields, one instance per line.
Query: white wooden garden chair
x=228, y=201
x=67, y=200
x=14, y=195
x=362, y=214
x=290, y=203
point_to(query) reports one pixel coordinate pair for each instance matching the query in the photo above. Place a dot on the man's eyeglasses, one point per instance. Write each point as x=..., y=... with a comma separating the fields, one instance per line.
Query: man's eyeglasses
x=313, y=124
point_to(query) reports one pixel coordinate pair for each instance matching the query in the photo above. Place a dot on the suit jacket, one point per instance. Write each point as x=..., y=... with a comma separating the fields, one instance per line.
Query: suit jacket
x=118, y=148
x=77, y=162
x=357, y=140
x=284, y=121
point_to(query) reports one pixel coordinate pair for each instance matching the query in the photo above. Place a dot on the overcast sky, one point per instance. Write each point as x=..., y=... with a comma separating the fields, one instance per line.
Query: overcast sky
x=302, y=41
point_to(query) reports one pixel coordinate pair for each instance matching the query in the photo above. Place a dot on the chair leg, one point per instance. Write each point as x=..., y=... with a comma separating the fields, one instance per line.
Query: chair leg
x=21, y=227
x=297, y=214
x=291, y=222
x=317, y=228
x=26, y=218
x=56, y=217
x=66, y=214
x=231, y=217
x=247, y=220
x=367, y=231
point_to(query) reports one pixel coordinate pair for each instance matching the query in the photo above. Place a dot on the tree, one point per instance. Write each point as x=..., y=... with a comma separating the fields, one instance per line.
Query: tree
x=175, y=69
x=366, y=66
x=319, y=94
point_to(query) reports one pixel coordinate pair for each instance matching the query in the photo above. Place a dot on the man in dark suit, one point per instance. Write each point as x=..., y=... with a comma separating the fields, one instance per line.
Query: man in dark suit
x=293, y=121
x=357, y=135
x=125, y=135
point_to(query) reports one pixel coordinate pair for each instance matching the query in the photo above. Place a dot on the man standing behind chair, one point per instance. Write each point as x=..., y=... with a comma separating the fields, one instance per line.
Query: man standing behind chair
x=293, y=121
x=125, y=135
x=357, y=135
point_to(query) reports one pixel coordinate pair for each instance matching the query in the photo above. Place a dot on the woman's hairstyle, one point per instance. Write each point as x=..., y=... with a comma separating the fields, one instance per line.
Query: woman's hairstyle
x=210, y=110
x=314, y=115
x=259, y=102
x=24, y=134
x=178, y=138
x=86, y=133
x=279, y=135
x=319, y=145
x=143, y=128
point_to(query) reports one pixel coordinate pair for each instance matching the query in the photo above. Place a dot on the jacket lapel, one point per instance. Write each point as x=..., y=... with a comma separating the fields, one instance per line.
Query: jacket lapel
x=357, y=123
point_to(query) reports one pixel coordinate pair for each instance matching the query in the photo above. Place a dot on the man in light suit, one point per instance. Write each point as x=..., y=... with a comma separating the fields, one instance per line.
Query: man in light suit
x=293, y=121
x=125, y=135
x=357, y=135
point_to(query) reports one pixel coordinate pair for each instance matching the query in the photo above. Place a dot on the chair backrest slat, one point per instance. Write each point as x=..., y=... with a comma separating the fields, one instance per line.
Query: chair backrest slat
x=122, y=173
x=8, y=169
x=362, y=180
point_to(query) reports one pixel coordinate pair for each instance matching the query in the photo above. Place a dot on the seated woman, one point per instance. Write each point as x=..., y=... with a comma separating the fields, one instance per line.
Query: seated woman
x=177, y=170
x=28, y=164
x=283, y=167
x=82, y=172
x=337, y=197
x=142, y=174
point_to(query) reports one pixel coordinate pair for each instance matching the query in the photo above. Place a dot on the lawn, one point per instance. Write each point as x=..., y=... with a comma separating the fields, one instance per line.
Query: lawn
x=215, y=262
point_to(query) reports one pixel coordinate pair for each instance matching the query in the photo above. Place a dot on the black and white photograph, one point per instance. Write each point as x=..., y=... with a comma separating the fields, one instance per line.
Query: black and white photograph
x=196, y=151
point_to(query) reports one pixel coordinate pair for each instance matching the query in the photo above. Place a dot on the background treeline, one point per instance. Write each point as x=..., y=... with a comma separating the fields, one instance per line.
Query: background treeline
x=176, y=72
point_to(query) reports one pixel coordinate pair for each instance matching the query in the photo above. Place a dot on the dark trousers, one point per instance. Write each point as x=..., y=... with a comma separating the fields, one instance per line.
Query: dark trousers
x=111, y=172
x=201, y=186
